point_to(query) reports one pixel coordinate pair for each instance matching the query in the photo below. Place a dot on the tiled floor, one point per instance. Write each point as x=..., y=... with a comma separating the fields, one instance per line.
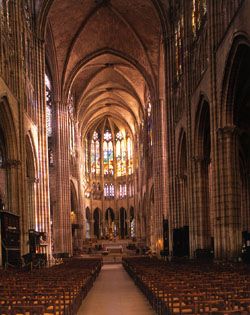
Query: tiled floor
x=114, y=293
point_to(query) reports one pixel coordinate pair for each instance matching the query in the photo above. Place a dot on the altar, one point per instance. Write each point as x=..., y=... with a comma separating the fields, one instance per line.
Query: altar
x=113, y=248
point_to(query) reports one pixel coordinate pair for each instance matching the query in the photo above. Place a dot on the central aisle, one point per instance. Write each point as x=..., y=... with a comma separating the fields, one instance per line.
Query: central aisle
x=114, y=293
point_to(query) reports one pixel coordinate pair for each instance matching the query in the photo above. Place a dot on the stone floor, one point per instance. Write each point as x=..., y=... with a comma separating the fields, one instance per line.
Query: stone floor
x=114, y=293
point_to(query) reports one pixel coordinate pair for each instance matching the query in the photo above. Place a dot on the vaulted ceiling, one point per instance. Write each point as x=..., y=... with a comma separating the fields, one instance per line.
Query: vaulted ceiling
x=107, y=53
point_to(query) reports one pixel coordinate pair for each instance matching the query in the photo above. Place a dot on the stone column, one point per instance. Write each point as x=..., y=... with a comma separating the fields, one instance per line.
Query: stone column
x=92, y=235
x=81, y=209
x=159, y=173
x=227, y=221
x=43, y=198
x=201, y=217
x=61, y=223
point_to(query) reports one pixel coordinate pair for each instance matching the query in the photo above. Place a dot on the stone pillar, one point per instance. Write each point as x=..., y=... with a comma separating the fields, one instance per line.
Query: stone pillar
x=201, y=217
x=81, y=209
x=61, y=223
x=92, y=235
x=227, y=220
x=159, y=173
x=43, y=198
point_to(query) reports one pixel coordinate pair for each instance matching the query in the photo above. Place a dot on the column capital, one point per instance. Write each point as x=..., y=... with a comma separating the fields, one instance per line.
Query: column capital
x=200, y=159
x=181, y=176
x=11, y=163
x=227, y=130
x=34, y=180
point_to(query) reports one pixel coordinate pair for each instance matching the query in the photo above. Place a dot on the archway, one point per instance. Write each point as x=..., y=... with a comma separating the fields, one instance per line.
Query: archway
x=96, y=217
x=31, y=180
x=151, y=217
x=88, y=222
x=74, y=216
x=10, y=158
x=234, y=138
x=123, y=223
x=241, y=119
x=132, y=222
x=3, y=175
x=181, y=232
x=202, y=174
x=110, y=226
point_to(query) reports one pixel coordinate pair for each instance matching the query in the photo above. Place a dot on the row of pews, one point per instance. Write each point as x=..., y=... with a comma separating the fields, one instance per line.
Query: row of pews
x=191, y=287
x=58, y=290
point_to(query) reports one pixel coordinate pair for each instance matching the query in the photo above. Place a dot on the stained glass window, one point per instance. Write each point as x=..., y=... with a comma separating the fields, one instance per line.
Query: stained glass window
x=179, y=29
x=112, y=190
x=108, y=154
x=150, y=136
x=122, y=190
x=109, y=190
x=1, y=158
x=86, y=157
x=130, y=156
x=71, y=124
x=130, y=188
x=120, y=154
x=95, y=154
x=199, y=10
x=48, y=106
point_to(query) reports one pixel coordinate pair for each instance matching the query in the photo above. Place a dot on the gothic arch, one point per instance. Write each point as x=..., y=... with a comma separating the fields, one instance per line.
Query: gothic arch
x=97, y=221
x=11, y=153
x=9, y=128
x=239, y=48
x=31, y=183
x=181, y=217
x=123, y=223
x=182, y=153
x=151, y=216
x=73, y=197
x=202, y=176
x=202, y=137
x=234, y=153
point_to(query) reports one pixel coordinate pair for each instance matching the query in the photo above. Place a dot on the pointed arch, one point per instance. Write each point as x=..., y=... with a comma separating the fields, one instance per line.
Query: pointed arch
x=239, y=49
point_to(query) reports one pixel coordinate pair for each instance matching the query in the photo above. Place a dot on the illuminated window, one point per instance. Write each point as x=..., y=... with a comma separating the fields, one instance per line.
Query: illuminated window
x=122, y=190
x=71, y=124
x=199, y=10
x=150, y=135
x=130, y=189
x=95, y=154
x=48, y=106
x=120, y=154
x=1, y=158
x=130, y=156
x=109, y=190
x=49, y=119
x=108, y=155
x=86, y=157
x=179, y=28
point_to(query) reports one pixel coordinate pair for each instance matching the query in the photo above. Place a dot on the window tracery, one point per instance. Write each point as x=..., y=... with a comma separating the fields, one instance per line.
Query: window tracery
x=71, y=124
x=150, y=135
x=95, y=154
x=27, y=7
x=48, y=106
x=1, y=158
x=120, y=154
x=109, y=190
x=108, y=154
x=178, y=36
x=123, y=190
x=130, y=156
x=49, y=114
x=199, y=10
